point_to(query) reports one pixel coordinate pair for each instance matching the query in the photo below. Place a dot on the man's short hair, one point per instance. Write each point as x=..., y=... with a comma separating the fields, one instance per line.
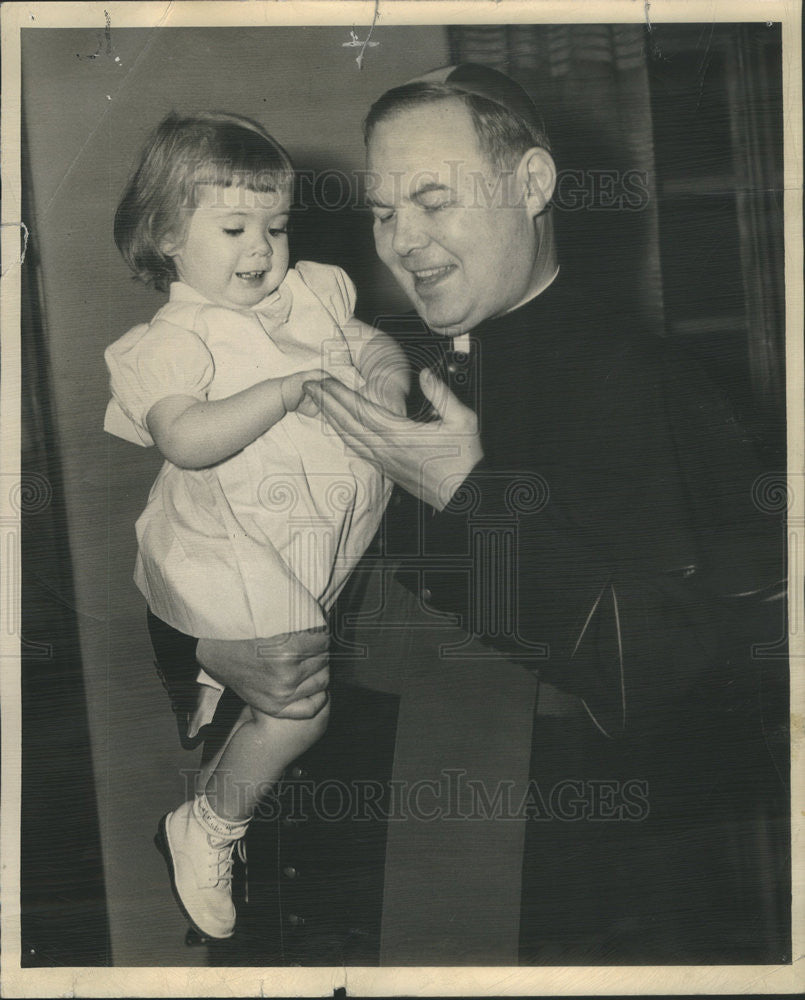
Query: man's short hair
x=182, y=153
x=506, y=121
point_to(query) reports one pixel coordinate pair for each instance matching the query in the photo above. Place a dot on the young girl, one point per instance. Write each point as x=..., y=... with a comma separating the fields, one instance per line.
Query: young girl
x=258, y=513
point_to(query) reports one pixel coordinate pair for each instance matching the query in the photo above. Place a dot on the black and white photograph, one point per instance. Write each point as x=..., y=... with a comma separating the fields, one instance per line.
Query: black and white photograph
x=403, y=498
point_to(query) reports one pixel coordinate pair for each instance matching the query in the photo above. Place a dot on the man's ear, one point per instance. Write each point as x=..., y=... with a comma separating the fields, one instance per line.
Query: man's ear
x=536, y=174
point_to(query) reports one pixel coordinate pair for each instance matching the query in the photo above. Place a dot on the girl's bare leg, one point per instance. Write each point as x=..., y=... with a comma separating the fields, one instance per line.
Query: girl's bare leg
x=258, y=750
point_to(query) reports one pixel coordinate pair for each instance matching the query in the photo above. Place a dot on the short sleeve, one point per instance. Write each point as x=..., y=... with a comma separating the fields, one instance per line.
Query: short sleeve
x=331, y=286
x=150, y=363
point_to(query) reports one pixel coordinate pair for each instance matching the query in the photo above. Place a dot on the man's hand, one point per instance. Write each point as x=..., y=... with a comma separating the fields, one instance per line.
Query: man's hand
x=388, y=394
x=285, y=676
x=430, y=460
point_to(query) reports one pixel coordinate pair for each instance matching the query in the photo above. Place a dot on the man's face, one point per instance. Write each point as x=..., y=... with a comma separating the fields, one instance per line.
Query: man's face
x=453, y=229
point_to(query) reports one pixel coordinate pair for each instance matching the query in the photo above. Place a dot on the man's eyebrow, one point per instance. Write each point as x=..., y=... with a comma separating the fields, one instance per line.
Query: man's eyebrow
x=227, y=212
x=430, y=186
x=373, y=202
x=423, y=189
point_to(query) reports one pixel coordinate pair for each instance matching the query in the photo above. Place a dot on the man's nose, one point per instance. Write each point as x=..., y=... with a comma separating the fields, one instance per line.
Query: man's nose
x=408, y=234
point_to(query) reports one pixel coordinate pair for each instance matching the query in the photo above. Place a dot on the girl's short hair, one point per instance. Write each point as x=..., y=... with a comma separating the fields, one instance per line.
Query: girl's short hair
x=218, y=148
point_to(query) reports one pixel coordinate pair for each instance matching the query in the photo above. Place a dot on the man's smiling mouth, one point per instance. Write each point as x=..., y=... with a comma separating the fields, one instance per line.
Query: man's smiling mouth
x=428, y=276
x=250, y=275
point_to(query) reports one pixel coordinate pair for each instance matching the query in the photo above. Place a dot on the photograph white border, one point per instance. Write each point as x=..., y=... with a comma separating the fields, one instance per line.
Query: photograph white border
x=200, y=982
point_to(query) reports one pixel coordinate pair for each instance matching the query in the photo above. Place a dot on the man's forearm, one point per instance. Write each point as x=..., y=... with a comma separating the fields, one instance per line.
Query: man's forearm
x=380, y=360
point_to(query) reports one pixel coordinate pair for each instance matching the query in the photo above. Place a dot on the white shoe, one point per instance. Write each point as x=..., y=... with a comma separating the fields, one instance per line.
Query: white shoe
x=200, y=868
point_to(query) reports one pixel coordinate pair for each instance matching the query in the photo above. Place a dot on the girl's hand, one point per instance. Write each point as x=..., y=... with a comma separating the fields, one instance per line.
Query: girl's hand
x=293, y=392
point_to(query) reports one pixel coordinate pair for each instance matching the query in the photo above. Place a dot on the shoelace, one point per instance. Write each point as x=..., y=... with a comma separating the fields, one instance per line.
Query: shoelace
x=224, y=862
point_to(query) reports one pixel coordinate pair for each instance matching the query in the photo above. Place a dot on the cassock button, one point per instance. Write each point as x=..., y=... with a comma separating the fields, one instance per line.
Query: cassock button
x=426, y=594
x=289, y=871
x=297, y=772
x=295, y=920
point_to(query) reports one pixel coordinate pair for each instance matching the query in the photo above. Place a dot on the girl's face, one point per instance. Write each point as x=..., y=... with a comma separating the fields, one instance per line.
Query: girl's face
x=234, y=250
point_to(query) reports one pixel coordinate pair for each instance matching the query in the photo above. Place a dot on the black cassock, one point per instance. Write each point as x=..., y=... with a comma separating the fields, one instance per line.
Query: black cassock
x=614, y=542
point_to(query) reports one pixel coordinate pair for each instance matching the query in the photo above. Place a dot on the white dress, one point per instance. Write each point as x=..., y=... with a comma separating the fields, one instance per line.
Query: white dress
x=263, y=542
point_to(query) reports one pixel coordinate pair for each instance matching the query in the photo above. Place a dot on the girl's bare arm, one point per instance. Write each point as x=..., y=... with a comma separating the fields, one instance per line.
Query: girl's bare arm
x=194, y=433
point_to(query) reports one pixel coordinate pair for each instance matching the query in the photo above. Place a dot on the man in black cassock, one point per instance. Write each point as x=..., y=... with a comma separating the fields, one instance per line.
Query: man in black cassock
x=583, y=508
x=561, y=605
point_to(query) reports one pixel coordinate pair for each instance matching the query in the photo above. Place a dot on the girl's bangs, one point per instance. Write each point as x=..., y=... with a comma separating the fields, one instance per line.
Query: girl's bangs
x=226, y=173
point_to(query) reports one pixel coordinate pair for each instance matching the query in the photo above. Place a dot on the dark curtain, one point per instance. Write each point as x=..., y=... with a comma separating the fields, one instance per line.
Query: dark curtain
x=599, y=87
x=590, y=83
x=755, y=98
x=64, y=920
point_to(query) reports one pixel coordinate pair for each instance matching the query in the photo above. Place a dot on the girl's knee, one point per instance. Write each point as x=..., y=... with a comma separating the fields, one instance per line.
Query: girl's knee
x=262, y=723
x=232, y=653
x=321, y=721
x=313, y=728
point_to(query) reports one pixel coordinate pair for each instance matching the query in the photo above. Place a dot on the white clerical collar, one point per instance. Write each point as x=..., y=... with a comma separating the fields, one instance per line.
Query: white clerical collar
x=463, y=342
